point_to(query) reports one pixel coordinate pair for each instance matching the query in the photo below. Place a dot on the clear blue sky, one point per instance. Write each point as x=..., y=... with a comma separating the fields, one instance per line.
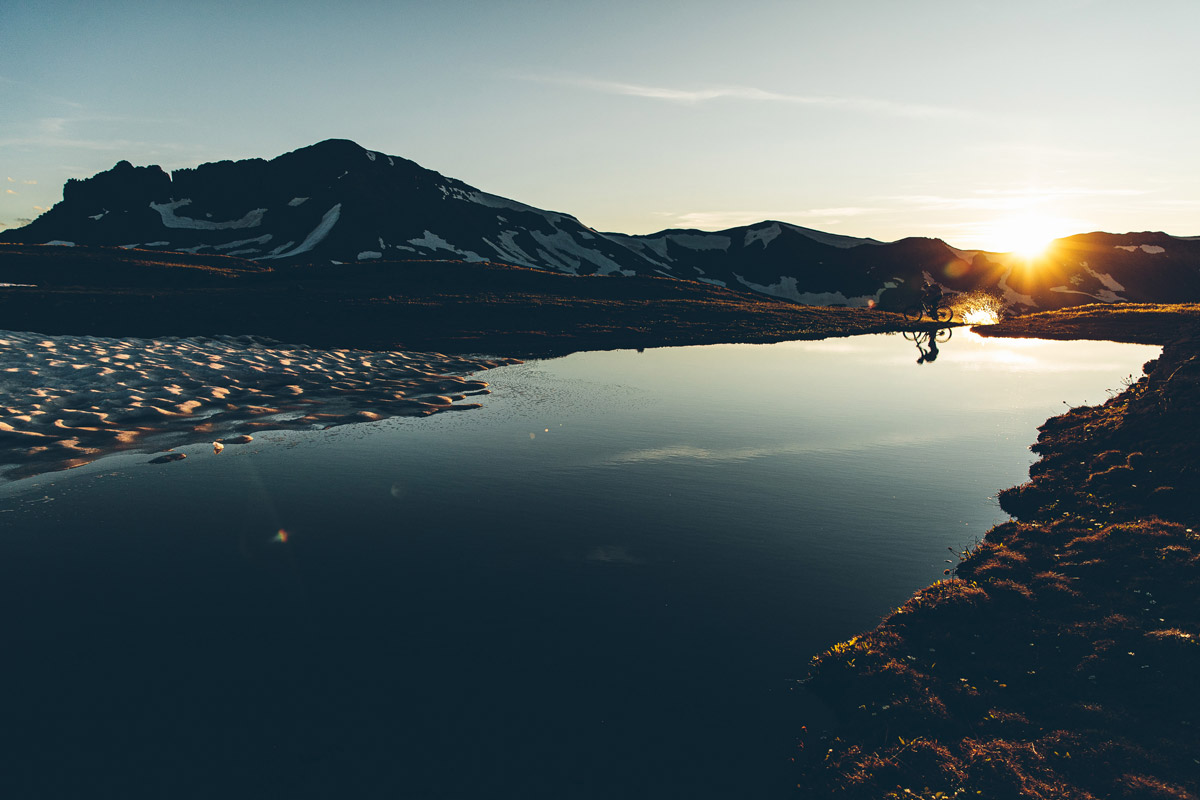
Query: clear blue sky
x=970, y=121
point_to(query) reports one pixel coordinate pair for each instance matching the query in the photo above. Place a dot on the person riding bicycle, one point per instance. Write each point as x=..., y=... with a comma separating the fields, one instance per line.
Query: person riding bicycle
x=931, y=296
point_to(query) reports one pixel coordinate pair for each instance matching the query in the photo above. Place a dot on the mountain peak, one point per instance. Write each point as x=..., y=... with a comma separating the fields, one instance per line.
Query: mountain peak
x=332, y=147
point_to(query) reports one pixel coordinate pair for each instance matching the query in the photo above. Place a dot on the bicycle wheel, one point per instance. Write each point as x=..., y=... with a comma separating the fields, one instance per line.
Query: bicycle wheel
x=943, y=335
x=914, y=313
x=944, y=314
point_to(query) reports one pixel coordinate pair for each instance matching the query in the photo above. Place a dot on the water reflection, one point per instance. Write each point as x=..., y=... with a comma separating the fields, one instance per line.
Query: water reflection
x=701, y=522
x=927, y=342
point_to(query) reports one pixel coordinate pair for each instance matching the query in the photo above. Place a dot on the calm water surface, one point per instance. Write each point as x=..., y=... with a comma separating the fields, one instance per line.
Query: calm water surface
x=603, y=584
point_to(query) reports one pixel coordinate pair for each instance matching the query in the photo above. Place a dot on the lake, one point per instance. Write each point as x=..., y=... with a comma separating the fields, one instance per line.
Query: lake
x=604, y=583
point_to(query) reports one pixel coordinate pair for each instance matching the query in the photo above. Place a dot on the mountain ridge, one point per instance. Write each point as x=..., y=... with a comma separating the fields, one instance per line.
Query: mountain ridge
x=338, y=202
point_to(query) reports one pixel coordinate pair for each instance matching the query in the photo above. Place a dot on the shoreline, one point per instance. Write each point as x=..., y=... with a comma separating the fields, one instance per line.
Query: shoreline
x=1056, y=661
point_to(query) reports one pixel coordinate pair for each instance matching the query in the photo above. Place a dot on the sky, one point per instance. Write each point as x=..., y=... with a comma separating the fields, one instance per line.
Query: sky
x=981, y=123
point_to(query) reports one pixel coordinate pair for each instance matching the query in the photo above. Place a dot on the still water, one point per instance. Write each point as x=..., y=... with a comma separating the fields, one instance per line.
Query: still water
x=603, y=584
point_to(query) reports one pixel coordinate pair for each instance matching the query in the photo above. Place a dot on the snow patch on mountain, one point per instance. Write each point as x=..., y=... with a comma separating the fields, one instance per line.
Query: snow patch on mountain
x=764, y=235
x=1152, y=249
x=431, y=241
x=297, y=201
x=367, y=255
x=509, y=250
x=1107, y=281
x=170, y=219
x=317, y=234
x=266, y=237
x=1011, y=295
x=565, y=245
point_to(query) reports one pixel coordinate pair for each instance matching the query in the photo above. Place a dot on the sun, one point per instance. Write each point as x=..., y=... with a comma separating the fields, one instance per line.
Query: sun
x=1025, y=236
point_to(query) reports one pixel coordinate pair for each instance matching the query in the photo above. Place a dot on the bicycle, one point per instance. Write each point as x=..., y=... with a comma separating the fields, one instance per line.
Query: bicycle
x=939, y=312
x=939, y=336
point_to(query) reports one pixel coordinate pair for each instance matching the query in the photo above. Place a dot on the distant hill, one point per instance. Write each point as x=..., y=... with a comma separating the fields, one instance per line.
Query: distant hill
x=336, y=202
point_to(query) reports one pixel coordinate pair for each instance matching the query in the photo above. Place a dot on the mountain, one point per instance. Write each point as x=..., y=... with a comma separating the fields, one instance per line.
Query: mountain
x=338, y=202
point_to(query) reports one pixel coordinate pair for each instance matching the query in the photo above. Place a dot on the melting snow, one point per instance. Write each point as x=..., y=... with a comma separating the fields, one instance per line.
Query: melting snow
x=252, y=219
x=1106, y=280
x=318, y=233
x=1011, y=295
x=157, y=244
x=266, y=237
x=60, y=243
x=1152, y=249
x=98, y=216
x=764, y=235
x=368, y=254
x=431, y=241
x=371, y=155
x=295, y=201
x=565, y=246
x=510, y=251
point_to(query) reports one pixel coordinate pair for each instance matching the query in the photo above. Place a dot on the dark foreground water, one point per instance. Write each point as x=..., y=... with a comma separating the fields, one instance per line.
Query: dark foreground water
x=603, y=584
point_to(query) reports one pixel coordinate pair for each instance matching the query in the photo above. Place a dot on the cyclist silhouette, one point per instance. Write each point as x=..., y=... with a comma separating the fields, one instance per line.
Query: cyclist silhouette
x=931, y=296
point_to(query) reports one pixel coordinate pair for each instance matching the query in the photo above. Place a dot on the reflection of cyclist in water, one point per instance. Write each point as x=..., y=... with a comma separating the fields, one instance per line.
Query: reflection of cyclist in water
x=927, y=355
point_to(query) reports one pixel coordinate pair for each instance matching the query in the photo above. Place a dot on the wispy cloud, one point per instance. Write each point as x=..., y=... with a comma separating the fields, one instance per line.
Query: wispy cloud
x=748, y=93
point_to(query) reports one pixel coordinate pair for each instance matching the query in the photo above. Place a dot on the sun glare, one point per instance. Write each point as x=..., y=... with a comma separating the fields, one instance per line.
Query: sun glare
x=1025, y=236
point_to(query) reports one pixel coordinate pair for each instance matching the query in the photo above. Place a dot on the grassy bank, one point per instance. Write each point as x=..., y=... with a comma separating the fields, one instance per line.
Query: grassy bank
x=1057, y=660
